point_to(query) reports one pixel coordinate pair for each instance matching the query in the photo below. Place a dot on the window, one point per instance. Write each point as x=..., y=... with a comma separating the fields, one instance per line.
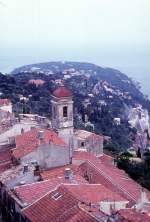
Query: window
x=56, y=196
x=82, y=144
x=65, y=111
x=54, y=112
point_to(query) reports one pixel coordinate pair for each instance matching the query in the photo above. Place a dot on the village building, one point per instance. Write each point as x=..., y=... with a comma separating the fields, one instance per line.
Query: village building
x=89, y=142
x=37, y=82
x=62, y=123
x=61, y=174
x=6, y=105
x=42, y=146
x=62, y=116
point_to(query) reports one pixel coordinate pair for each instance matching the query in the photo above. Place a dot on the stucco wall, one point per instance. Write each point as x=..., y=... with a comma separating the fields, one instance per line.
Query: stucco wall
x=7, y=108
x=90, y=145
x=48, y=156
x=107, y=206
x=14, y=131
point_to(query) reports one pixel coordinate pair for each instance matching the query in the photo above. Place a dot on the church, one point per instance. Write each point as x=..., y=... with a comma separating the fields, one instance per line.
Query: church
x=47, y=169
x=55, y=147
x=62, y=123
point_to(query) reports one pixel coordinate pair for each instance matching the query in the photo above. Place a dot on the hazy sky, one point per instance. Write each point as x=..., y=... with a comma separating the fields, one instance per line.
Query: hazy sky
x=108, y=32
x=77, y=22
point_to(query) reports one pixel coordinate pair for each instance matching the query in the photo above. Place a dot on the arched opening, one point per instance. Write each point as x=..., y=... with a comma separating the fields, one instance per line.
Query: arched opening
x=65, y=111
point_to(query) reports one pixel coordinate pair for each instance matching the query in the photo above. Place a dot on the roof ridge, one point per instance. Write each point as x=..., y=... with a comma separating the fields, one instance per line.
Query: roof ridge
x=30, y=184
x=87, y=212
x=110, y=180
x=41, y=197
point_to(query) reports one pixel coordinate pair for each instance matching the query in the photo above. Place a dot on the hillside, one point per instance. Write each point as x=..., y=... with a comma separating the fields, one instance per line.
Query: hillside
x=100, y=95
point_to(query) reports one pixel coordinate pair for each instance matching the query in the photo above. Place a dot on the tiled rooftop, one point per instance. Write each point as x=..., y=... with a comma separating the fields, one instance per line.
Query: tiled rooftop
x=83, y=134
x=29, y=193
x=5, y=155
x=81, y=155
x=37, y=82
x=59, y=205
x=57, y=171
x=112, y=178
x=29, y=141
x=62, y=92
x=4, y=102
x=130, y=215
x=5, y=160
x=106, y=158
x=103, y=172
x=4, y=167
x=93, y=193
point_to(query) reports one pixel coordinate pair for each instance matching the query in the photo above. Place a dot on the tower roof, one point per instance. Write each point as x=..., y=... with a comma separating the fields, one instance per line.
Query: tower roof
x=62, y=92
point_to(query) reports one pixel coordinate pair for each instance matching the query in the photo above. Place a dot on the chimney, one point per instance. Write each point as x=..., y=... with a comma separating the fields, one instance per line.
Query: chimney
x=67, y=173
x=37, y=170
x=51, y=140
x=22, y=131
x=22, y=183
x=25, y=168
x=143, y=199
x=40, y=136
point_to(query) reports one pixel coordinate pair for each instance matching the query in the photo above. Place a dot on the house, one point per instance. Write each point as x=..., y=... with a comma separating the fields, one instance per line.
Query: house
x=58, y=205
x=37, y=82
x=6, y=105
x=98, y=171
x=89, y=142
x=62, y=175
x=42, y=146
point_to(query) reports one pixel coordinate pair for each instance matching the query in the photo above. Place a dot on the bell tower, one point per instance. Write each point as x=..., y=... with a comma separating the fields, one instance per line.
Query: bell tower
x=62, y=115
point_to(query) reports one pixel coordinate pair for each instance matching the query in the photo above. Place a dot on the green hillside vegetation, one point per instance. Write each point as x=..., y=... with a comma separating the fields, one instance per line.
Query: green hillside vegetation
x=123, y=93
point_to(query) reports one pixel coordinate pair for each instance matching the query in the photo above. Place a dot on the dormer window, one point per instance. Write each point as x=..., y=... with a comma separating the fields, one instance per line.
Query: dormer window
x=56, y=196
x=65, y=111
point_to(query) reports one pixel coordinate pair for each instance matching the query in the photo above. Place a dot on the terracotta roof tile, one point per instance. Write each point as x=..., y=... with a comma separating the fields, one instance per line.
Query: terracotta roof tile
x=59, y=205
x=81, y=155
x=31, y=192
x=76, y=215
x=83, y=134
x=112, y=178
x=5, y=155
x=4, y=102
x=130, y=215
x=4, y=167
x=62, y=92
x=57, y=172
x=5, y=160
x=101, y=171
x=28, y=141
x=106, y=158
x=93, y=193
x=37, y=82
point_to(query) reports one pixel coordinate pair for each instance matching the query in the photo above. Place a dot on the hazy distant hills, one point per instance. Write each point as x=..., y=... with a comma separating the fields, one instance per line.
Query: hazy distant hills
x=55, y=67
x=112, y=76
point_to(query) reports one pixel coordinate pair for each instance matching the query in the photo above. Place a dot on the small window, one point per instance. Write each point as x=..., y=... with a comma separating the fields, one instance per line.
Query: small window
x=65, y=111
x=82, y=144
x=54, y=112
x=56, y=196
